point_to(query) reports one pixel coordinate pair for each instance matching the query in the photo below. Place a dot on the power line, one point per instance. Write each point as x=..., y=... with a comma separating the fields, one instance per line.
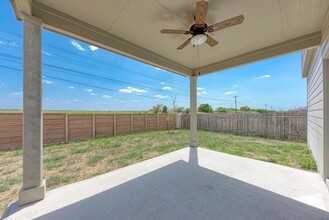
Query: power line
x=106, y=78
x=93, y=86
x=78, y=62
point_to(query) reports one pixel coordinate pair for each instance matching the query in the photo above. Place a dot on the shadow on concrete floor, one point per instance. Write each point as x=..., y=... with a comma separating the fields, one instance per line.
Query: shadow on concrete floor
x=184, y=190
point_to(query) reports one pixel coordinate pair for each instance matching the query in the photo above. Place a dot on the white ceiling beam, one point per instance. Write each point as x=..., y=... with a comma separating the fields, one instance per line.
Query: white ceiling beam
x=290, y=46
x=59, y=22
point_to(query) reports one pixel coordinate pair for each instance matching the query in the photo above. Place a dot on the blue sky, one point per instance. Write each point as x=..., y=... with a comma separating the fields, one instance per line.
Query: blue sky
x=79, y=76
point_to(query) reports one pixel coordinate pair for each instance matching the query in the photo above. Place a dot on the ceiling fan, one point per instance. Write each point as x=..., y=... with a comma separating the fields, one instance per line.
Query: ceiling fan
x=200, y=28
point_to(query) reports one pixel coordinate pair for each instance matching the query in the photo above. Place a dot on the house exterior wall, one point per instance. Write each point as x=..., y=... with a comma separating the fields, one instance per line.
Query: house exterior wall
x=315, y=112
x=318, y=103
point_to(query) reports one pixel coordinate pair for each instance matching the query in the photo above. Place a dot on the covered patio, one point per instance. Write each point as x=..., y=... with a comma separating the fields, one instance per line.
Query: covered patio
x=193, y=182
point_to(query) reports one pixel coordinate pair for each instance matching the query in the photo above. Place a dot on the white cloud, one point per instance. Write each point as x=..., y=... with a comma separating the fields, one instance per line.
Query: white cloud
x=229, y=93
x=93, y=48
x=235, y=85
x=71, y=87
x=107, y=96
x=160, y=96
x=77, y=100
x=88, y=90
x=162, y=83
x=92, y=93
x=77, y=45
x=13, y=43
x=45, y=81
x=49, y=99
x=262, y=77
x=132, y=90
x=46, y=53
x=166, y=88
x=16, y=94
x=202, y=91
x=160, y=69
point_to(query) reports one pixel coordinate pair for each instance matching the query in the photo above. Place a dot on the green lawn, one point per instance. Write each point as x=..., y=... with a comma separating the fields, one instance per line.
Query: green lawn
x=68, y=163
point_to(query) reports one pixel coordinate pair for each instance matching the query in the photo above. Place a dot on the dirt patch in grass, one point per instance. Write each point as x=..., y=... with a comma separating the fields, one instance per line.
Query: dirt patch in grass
x=69, y=163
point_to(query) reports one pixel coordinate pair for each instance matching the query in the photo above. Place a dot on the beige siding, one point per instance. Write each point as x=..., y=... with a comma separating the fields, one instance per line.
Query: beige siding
x=315, y=109
x=317, y=90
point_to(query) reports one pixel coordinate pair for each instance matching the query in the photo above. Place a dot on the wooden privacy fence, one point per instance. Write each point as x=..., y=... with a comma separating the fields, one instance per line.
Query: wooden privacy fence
x=283, y=125
x=58, y=128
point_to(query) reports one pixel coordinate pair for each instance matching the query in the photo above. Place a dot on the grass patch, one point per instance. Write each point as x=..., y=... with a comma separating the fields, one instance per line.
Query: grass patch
x=58, y=180
x=7, y=183
x=53, y=161
x=306, y=161
x=79, y=150
x=75, y=161
x=94, y=159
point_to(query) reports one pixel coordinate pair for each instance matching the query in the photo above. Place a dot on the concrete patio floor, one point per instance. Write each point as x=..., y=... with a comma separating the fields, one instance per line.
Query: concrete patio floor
x=188, y=184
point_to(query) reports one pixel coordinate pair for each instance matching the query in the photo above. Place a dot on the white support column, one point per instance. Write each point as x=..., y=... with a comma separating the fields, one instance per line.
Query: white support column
x=193, y=111
x=34, y=187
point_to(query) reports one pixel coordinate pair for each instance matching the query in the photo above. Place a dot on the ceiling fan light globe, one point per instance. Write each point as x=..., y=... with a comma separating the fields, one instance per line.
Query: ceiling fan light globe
x=198, y=39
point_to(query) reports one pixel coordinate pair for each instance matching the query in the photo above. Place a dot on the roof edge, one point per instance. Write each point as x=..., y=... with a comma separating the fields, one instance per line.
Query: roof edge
x=307, y=58
x=293, y=45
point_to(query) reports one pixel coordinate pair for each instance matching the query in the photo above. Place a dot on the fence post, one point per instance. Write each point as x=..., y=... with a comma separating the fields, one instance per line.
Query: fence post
x=247, y=124
x=284, y=125
x=131, y=123
x=94, y=128
x=157, y=121
x=114, y=124
x=66, y=128
x=145, y=121
x=178, y=121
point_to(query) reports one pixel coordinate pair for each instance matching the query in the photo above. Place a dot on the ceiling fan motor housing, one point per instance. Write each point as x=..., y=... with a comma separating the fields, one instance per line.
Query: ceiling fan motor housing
x=198, y=29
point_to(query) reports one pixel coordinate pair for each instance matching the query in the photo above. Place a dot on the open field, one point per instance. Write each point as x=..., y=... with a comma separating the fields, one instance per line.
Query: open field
x=81, y=112
x=68, y=163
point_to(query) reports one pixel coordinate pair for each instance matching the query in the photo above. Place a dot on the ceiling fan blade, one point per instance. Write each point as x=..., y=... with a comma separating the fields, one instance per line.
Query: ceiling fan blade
x=211, y=41
x=169, y=31
x=225, y=24
x=201, y=12
x=184, y=44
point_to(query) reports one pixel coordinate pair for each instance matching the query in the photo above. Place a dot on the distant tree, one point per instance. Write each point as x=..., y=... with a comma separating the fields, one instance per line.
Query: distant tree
x=187, y=111
x=157, y=108
x=180, y=109
x=221, y=109
x=173, y=115
x=164, y=109
x=259, y=110
x=205, y=108
x=245, y=108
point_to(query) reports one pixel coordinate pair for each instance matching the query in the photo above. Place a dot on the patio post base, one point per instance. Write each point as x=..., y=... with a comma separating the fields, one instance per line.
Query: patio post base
x=193, y=144
x=30, y=195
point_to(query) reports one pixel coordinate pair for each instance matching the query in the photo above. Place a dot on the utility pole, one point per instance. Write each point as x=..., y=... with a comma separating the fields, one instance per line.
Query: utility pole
x=265, y=107
x=236, y=105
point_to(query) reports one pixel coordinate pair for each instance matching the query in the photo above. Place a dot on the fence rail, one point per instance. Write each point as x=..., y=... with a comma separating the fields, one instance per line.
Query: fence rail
x=61, y=127
x=283, y=125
